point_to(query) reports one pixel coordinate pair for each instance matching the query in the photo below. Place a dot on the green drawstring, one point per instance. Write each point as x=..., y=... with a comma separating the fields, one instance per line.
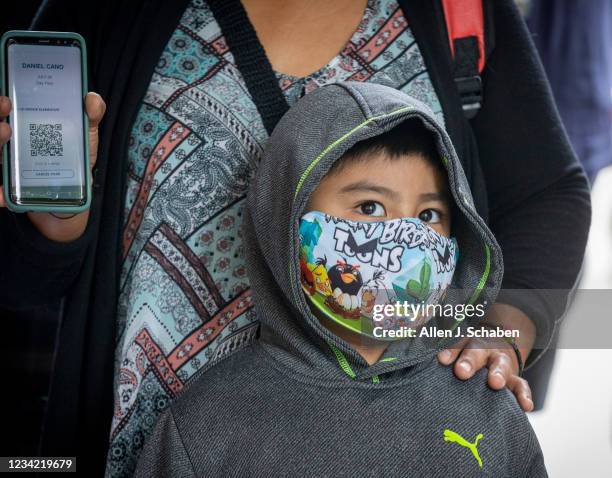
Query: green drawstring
x=345, y=366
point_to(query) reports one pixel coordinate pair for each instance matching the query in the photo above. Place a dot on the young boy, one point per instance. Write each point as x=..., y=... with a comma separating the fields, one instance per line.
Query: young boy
x=359, y=203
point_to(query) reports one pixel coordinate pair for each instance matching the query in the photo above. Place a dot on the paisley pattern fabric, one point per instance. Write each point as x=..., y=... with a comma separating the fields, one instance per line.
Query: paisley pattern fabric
x=185, y=298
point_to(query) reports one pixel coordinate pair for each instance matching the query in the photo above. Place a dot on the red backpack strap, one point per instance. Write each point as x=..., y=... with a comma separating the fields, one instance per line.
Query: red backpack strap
x=466, y=36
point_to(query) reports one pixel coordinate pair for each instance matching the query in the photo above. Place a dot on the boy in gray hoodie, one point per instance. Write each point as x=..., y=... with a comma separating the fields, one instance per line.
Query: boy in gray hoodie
x=359, y=203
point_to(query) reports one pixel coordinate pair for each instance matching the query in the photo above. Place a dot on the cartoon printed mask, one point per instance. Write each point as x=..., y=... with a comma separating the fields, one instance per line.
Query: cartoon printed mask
x=350, y=269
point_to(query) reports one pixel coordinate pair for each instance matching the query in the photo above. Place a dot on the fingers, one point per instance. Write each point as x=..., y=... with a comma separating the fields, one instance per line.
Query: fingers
x=5, y=106
x=522, y=391
x=471, y=360
x=95, y=109
x=472, y=355
x=5, y=129
x=5, y=133
x=500, y=370
x=448, y=356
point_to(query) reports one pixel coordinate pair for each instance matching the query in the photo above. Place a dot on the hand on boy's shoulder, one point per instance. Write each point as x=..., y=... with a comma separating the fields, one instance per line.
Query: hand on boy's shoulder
x=478, y=388
x=241, y=410
x=498, y=356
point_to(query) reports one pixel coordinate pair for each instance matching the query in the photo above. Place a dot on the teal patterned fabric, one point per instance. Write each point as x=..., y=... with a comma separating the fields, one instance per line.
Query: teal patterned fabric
x=185, y=298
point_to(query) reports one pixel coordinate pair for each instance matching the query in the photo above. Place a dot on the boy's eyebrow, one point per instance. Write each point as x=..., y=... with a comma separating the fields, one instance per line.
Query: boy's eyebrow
x=372, y=187
x=437, y=196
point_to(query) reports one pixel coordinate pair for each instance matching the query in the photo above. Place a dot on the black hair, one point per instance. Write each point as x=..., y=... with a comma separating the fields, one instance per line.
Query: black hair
x=410, y=137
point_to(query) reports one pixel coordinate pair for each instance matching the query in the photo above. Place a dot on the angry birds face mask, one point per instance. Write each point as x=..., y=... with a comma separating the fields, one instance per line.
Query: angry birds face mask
x=350, y=270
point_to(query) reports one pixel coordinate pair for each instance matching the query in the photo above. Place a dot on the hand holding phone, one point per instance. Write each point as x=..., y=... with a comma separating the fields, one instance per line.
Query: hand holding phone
x=55, y=227
x=47, y=162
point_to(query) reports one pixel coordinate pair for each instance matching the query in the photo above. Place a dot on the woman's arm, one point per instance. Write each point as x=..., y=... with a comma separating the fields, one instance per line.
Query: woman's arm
x=539, y=206
x=41, y=255
x=34, y=270
x=539, y=198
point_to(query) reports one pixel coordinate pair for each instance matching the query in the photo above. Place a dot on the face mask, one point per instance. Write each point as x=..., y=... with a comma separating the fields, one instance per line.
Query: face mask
x=350, y=270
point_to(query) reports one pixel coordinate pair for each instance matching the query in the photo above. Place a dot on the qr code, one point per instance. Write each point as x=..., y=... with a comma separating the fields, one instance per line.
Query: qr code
x=46, y=140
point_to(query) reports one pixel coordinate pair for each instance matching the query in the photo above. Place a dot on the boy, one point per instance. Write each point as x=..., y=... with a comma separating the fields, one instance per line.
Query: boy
x=350, y=212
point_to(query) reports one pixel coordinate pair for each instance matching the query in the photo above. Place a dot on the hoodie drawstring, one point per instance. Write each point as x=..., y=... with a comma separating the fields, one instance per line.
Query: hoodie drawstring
x=344, y=364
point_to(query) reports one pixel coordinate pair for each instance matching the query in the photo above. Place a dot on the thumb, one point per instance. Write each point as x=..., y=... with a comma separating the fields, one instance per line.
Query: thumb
x=95, y=109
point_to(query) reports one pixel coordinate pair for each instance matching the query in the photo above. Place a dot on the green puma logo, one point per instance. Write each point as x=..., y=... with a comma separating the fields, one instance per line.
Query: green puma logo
x=452, y=436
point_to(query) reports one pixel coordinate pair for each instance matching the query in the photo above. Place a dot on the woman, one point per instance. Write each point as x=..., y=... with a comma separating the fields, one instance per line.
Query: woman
x=192, y=94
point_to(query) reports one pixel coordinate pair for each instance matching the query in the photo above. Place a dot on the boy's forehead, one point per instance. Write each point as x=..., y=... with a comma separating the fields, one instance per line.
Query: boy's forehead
x=394, y=177
x=382, y=165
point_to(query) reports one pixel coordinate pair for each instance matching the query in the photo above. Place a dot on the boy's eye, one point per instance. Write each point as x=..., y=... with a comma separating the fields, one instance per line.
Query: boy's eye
x=430, y=216
x=372, y=208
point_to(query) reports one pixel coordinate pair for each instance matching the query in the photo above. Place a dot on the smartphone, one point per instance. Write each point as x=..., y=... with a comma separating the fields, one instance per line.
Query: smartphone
x=46, y=162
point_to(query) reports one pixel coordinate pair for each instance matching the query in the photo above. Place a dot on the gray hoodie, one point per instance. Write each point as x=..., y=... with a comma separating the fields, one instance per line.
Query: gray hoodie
x=300, y=401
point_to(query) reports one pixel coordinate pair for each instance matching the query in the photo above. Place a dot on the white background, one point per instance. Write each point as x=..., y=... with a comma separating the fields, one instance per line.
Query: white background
x=575, y=426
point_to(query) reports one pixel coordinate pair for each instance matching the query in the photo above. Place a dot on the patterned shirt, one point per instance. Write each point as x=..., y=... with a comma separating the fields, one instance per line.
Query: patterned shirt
x=185, y=298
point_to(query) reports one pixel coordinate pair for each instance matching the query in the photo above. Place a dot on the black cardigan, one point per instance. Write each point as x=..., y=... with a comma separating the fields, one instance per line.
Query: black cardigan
x=536, y=196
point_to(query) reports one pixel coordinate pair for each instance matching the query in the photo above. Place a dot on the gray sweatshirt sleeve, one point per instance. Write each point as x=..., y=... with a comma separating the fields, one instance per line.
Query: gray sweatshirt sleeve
x=534, y=459
x=164, y=454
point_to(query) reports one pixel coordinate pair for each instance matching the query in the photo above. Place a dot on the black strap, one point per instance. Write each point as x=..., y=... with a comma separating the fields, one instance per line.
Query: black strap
x=466, y=74
x=251, y=60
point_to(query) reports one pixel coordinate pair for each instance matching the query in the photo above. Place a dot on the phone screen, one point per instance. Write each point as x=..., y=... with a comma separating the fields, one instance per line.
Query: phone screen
x=47, y=154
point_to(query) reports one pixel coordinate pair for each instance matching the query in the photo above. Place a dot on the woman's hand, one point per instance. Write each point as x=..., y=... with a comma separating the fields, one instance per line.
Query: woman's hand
x=61, y=228
x=472, y=354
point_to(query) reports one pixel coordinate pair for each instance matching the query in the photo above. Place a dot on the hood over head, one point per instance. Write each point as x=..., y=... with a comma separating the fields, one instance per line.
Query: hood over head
x=306, y=142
